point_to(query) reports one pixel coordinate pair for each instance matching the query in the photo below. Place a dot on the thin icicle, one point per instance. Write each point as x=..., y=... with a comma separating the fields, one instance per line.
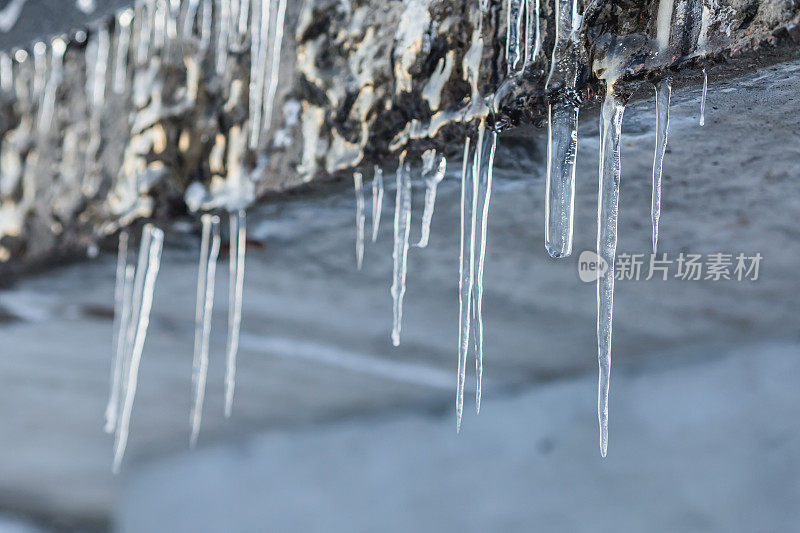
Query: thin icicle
x=59, y=47
x=514, y=29
x=122, y=290
x=703, y=100
x=238, y=245
x=533, y=37
x=223, y=26
x=607, y=214
x=209, y=253
x=483, y=170
x=402, y=228
x=562, y=151
x=39, y=68
x=6, y=72
x=144, y=287
x=193, y=6
x=663, y=95
x=358, y=180
x=244, y=13
x=123, y=49
x=465, y=277
x=434, y=166
x=258, y=66
x=275, y=63
x=377, y=201
x=98, y=89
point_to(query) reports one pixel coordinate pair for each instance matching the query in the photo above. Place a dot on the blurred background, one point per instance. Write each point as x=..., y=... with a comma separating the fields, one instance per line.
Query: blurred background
x=333, y=429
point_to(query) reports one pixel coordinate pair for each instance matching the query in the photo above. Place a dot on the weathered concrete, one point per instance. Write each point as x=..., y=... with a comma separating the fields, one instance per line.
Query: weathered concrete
x=351, y=92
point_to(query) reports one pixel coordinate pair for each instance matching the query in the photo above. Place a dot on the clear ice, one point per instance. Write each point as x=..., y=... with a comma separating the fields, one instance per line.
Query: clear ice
x=663, y=95
x=402, y=228
x=358, y=181
x=703, y=100
x=607, y=215
x=476, y=188
x=206, y=278
x=377, y=201
x=122, y=292
x=465, y=279
x=562, y=145
x=434, y=166
x=143, y=288
x=562, y=151
x=238, y=245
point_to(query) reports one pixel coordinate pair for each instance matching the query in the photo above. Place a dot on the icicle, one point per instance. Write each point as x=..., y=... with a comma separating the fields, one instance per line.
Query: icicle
x=466, y=270
x=663, y=96
x=123, y=48
x=209, y=253
x=275, y=63
x=514, y=11
x=532, y=32
x=160, y=15
x=98, y=89
x=703, y=100
x=564, y=64
x=244, y=13
x=434, y=166
x=59, y=47
x=122, y=292
x=482, y=171
x=377, y=201
x=6, y=73
x=39, y=68
x=206, y=25
x=607, y=213
x=144, y=286
x=223, y=26
x=192, y=8
x=358, y=180
x=144, y=21
x=562, y=151
x=258, y=66
x=238, y=244
x=9, y=15
x=402, y=227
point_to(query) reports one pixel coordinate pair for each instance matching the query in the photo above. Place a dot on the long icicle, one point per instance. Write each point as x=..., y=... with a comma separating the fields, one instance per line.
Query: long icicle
x=533, y=37
x=59, y=48
x=663, y=95
x=402, y=228
x=275, y=63
x=209, y=253
x=259, y=37
x=607, y=215
x=434, y=166
x=150, y=261
x=358, y=181
x=703, y=100
x=484, y=169
x=121, y=289
x=238, y=245
x=466, y=271
x=123, y=50
x=514, y=29
x=377, y=201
